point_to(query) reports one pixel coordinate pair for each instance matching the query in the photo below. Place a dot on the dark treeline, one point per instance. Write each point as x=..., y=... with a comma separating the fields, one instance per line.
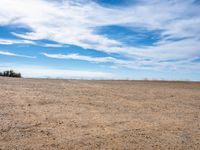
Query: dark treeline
x=10, y=73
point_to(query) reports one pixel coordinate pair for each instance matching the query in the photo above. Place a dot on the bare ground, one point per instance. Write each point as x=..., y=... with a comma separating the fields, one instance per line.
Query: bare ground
x=60, y=114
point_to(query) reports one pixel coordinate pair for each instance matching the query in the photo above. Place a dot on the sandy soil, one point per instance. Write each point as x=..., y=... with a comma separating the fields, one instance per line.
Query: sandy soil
x=60, y=114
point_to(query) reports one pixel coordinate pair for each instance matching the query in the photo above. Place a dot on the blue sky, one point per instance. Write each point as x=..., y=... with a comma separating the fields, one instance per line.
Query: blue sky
x=101, y=39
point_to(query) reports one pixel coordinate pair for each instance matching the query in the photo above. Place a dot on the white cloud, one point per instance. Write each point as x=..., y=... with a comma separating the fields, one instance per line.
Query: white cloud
x=73, y=22
x=86, y=58
x=11, y=41
x=28, y=42
x=15, y=55
x=52, y=45
x=134, y=64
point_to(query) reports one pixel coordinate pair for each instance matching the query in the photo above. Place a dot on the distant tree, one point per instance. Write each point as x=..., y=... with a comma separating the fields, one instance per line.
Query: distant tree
x=10, y=73
x=6, y=74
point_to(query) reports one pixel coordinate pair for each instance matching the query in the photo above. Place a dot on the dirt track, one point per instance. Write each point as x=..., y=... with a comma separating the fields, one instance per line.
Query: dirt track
x=60, y=114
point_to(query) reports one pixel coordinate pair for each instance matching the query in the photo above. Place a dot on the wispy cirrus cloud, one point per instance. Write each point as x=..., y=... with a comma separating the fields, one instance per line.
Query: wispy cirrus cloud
x=6, y=53
x=14, y=41
x=86, y=58
x=184, y=64
x=27, y=42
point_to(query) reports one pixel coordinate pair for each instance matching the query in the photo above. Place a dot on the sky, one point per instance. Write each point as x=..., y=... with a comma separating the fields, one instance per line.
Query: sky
x=101, y=39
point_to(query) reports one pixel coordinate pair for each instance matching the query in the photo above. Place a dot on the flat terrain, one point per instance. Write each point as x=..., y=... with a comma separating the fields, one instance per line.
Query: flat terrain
x=67, y=114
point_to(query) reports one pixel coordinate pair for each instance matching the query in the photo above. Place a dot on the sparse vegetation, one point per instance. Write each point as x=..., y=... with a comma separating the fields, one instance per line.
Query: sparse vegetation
x=10, y=73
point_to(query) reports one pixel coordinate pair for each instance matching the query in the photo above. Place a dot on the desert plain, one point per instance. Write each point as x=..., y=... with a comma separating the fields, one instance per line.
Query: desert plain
x=48, y=114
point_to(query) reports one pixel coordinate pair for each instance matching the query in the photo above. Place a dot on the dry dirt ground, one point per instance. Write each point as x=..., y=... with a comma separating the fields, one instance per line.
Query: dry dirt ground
x=42, y=114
